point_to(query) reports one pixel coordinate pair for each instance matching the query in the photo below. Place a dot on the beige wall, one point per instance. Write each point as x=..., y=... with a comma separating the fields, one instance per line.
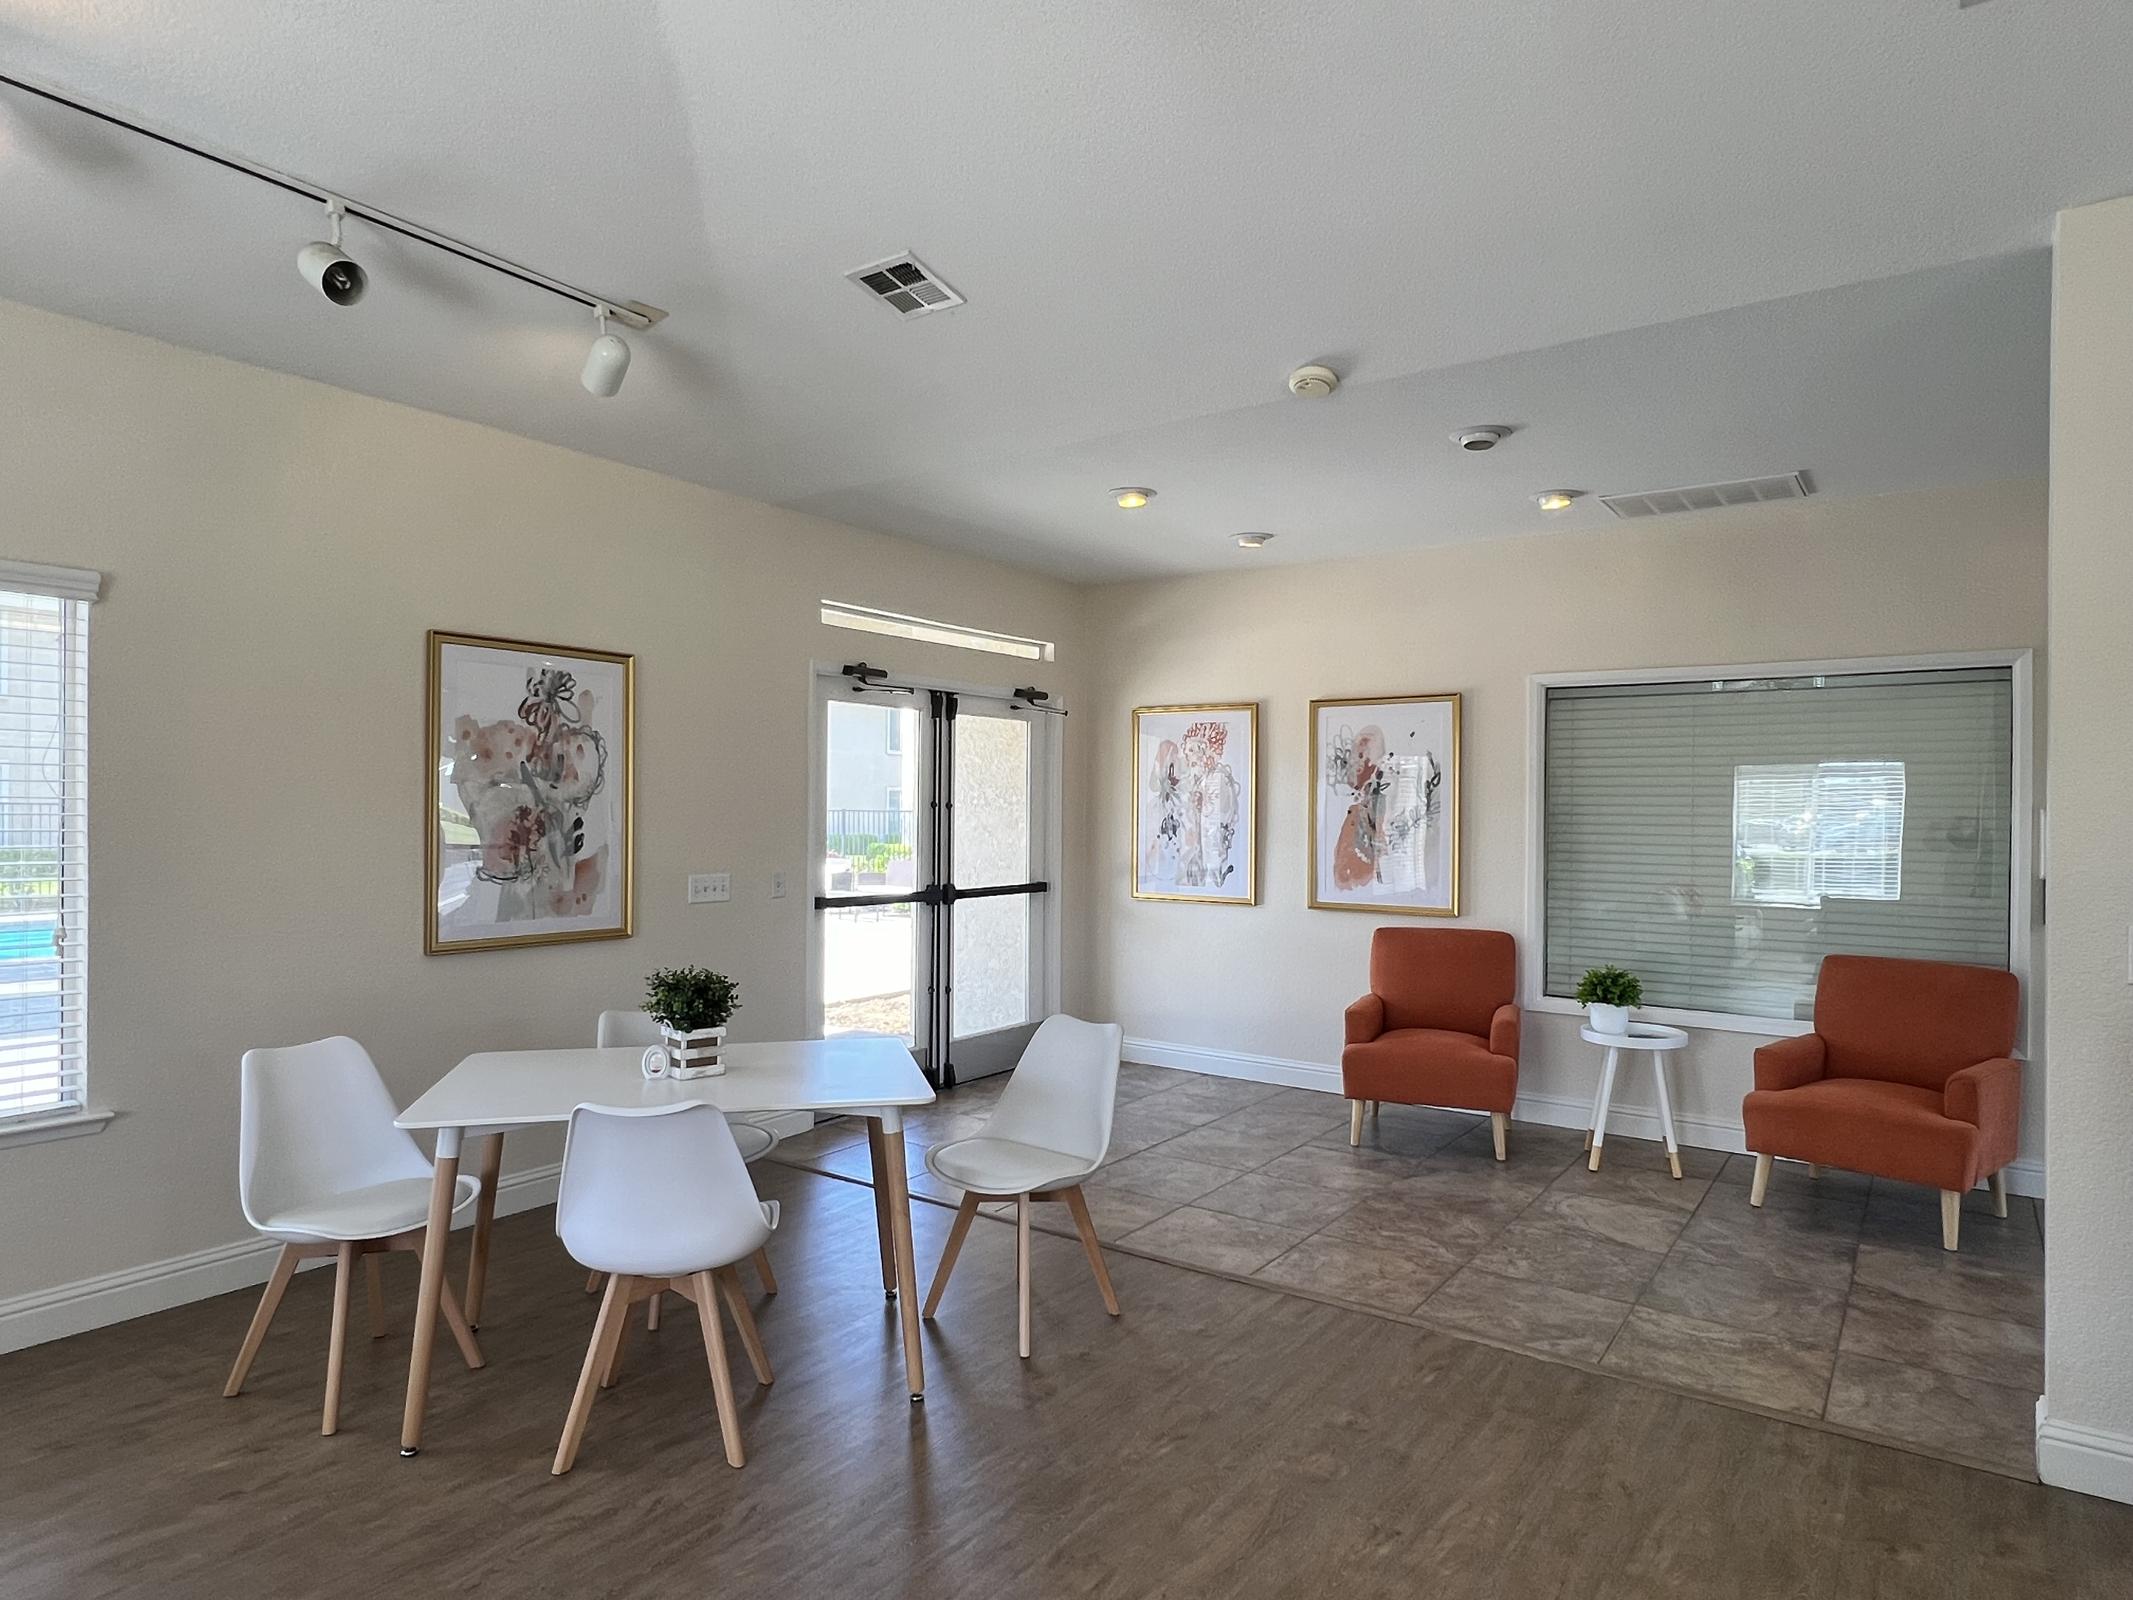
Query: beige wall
x=2086, y=1437
x=1867, y=577
x=274, y=551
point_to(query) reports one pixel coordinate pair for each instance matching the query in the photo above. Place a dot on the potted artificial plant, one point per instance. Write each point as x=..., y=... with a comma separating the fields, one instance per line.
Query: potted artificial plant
x=691, y=1005
x=1608, y=994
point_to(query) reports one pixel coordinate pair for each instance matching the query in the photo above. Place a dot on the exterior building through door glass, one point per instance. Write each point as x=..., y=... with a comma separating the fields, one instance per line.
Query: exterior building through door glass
x=992, y=848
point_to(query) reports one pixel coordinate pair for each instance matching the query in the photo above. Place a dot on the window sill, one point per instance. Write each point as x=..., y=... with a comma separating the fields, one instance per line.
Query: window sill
x=65, y=1125
x=1715, y=1021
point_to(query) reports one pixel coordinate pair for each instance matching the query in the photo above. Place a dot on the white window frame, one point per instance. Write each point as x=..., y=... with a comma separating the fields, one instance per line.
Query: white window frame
x=2022, y=814
x=1811, y=859
x=65, y=584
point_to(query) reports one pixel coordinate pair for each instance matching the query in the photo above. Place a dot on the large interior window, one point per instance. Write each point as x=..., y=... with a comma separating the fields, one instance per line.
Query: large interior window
x=1720, y=837
x=44, y=873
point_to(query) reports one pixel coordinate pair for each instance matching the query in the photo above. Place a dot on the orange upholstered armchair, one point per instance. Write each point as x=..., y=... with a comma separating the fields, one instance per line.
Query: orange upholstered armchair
x=1908, y=1075
x=1438, y=1027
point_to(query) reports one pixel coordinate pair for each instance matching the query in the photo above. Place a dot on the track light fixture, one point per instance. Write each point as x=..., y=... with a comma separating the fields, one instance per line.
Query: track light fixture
x=326, y=269
x=606, y=362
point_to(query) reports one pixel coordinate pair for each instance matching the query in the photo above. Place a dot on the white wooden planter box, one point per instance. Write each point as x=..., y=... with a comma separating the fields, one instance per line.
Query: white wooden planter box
x=695, y=1054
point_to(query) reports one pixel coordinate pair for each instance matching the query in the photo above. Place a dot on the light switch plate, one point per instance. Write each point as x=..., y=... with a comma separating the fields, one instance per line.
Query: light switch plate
x=707, y=888
x=777, y=884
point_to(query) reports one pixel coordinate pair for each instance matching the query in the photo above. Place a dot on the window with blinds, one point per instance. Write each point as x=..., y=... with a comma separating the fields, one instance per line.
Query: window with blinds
x=44, y=876
x=1718, y=838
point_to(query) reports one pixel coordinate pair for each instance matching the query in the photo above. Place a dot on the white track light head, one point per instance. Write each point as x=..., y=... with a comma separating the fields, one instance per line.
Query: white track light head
x=606, y=363
x=327, y=270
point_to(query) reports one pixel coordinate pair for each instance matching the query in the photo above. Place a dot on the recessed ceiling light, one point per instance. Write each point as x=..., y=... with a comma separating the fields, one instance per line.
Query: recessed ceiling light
x=1555, y=499
x=1132, y=499
x=1254, y=541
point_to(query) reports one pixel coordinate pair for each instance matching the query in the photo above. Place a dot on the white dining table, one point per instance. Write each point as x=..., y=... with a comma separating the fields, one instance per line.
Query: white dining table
x=490, y=1093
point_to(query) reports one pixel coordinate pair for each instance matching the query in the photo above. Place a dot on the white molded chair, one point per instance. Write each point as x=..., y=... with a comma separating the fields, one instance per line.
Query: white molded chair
x=321, y=1168
x=635, y=1030
x=1048, y=1132
x=658, y=1198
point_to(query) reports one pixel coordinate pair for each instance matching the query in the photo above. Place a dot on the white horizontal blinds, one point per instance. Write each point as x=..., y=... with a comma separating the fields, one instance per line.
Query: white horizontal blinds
x=44, y=881
x=1719, y=839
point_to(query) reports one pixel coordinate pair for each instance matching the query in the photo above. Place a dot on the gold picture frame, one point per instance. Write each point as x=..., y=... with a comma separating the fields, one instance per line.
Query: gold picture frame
x=1355, y=853
x=474, y=910
x=1167, y=847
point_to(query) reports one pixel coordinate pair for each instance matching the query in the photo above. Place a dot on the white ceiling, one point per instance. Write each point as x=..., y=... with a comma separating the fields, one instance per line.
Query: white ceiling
x=1155, y=207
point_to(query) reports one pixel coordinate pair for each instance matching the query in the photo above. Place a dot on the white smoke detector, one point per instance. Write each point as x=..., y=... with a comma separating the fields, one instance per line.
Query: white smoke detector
x=1314, y=383
x=1479, y=439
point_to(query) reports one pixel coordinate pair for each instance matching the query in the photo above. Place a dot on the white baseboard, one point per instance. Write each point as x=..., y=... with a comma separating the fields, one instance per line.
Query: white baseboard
x=1555, y=1111
x=2090, y=1460
x=1234, y=1064
x=70, y=1308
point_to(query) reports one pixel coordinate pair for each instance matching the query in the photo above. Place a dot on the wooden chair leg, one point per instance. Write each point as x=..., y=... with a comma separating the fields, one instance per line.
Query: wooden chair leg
x=1500, y=1129
x=954, y=1248
x=337, y=1343
x=614, y=1354
x=462, y=1335
x=762, y=1270
x=592, y=1282
x=1814, y=1172
x=614, y=1312
x=1761, y=1186
x=1022, y=1270
x=374, y=1288
x=651, y=1312
x=1085, y=1225
x=1999, y=1192
x=729, y=1421
x=269, y=1303
x=1355, y=1122
x=1951, y=1217
x=492, y=1164
x=729, y=1284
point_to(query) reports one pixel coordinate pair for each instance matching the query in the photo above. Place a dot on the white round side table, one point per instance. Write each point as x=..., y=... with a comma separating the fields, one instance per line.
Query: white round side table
x=1656, y=1040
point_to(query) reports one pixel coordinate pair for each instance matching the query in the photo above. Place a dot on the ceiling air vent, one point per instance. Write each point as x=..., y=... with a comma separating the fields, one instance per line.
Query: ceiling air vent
x=906, y=286
x=1708, y=496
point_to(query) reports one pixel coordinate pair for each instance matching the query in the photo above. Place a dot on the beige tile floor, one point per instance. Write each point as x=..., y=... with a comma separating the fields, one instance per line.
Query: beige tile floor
x=1834, y=1303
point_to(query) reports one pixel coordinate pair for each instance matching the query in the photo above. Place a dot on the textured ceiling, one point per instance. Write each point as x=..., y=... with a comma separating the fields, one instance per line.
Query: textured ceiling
x=1155, y=209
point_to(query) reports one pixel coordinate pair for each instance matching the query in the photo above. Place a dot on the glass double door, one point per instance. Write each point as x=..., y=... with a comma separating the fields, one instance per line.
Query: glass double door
x=932, y=891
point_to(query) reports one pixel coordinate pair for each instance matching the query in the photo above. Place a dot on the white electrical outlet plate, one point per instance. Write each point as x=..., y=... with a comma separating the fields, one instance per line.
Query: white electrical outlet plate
x=707, y=888
x=777, y=884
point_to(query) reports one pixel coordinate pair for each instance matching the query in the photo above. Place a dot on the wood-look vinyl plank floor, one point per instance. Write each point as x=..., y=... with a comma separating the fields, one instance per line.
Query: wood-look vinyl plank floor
x=1220, y=1439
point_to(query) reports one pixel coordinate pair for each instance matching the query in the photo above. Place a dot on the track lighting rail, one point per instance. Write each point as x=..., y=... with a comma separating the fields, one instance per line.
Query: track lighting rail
x=629, y=312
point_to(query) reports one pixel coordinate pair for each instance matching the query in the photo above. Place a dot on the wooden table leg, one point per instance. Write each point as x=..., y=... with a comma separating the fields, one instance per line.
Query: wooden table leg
x=892, y=1136
x=427, y=1301
x=492, y=1164
x=878, y=1153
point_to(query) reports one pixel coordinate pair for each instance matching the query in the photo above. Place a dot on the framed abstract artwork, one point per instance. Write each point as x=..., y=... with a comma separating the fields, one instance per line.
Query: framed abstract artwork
x=531, y=749
x=1196, y=803
x=1385, y=805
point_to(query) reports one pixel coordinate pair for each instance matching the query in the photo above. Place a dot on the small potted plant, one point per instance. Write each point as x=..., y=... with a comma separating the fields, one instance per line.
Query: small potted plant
x=691, y=1005
x=1608, y=994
